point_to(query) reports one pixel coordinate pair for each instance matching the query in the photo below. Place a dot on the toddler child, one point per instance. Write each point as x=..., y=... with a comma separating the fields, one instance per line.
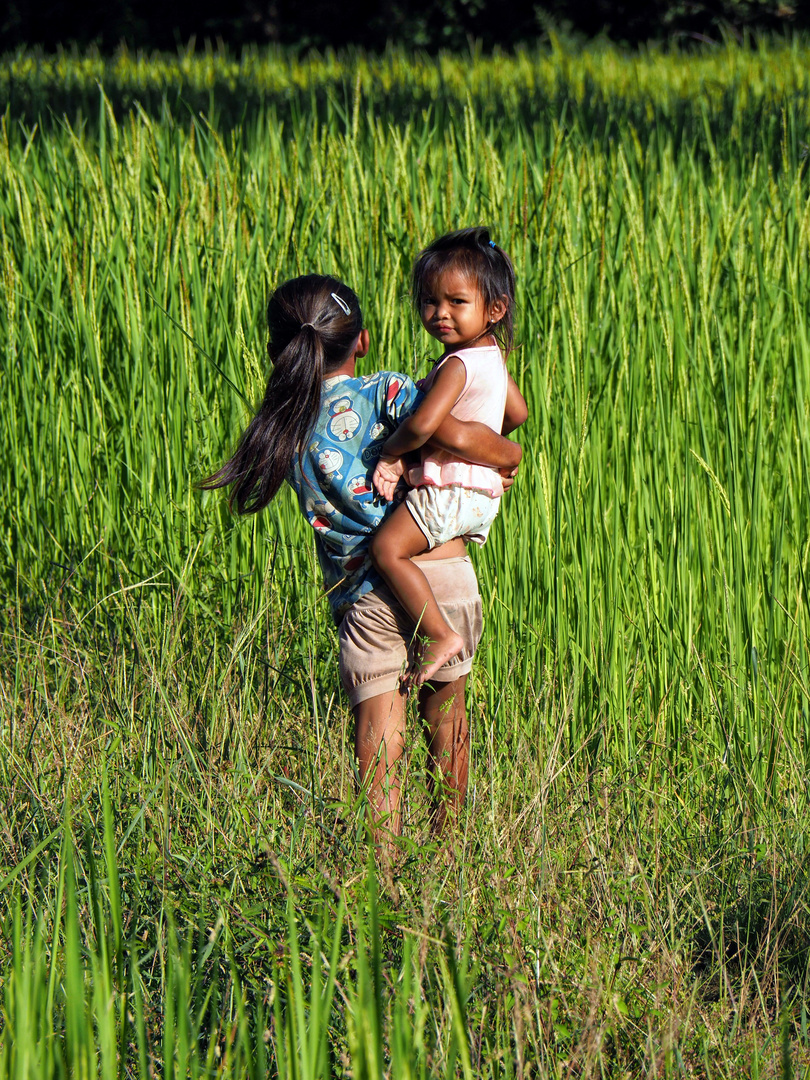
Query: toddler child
x=464, y=290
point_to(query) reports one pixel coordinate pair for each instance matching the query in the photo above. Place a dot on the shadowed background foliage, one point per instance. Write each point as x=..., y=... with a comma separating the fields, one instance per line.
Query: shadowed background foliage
x=426, y=24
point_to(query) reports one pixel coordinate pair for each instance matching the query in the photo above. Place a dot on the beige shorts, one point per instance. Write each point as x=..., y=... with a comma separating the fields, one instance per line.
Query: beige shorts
x=375, y=632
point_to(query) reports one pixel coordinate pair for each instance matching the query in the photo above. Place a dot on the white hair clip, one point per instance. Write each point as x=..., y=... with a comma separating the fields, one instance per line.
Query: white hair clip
x=341, y=303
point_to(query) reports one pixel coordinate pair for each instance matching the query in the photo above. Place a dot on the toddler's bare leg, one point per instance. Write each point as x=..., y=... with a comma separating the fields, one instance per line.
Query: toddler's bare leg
x=392, y=549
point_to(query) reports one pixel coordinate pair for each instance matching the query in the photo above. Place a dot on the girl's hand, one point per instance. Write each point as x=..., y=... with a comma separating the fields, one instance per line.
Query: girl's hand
x=387, y=474
x=508, y=477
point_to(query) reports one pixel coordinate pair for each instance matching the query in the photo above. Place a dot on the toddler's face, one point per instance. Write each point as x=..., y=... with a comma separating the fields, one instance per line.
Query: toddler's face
x=453, y=310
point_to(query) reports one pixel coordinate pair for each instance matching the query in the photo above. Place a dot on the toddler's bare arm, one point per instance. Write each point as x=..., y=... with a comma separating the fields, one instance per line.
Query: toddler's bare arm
x=434, y=408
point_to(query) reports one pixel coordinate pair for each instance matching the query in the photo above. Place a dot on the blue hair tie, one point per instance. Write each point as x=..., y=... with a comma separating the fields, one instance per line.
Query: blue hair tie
x=492, y=243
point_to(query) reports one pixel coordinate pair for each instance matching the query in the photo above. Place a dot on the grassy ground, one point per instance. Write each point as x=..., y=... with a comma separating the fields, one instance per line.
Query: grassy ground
x=184, y=882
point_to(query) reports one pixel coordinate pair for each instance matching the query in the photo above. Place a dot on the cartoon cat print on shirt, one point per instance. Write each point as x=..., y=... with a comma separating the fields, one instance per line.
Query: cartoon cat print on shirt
x=393, y=390
x=361, y=489
x=329, y=462
x=345, y=421
x=321, y=507
x=377, y=434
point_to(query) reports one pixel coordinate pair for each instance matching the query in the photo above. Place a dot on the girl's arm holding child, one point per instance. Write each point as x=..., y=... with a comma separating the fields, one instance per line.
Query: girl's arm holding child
x=516, y=411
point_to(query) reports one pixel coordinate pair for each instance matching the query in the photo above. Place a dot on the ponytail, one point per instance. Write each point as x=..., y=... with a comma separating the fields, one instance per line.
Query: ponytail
x=313, y=324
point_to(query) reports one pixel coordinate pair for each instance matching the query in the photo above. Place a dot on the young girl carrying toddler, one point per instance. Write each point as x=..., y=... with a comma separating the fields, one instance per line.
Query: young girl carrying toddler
x=321, y=426
x=464, y=291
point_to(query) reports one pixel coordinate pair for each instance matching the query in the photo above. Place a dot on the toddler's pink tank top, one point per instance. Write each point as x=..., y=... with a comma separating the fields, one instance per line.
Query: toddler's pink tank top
x=484, y=399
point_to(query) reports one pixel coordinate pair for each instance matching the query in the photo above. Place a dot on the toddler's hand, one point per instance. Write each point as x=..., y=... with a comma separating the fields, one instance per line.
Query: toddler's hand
x=387, y=474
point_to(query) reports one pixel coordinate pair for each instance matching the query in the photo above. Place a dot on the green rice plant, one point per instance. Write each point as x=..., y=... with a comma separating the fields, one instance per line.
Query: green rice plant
x=75, y=1000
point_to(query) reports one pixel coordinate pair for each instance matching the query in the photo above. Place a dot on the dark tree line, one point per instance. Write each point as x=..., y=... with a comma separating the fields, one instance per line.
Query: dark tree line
x=427, y=24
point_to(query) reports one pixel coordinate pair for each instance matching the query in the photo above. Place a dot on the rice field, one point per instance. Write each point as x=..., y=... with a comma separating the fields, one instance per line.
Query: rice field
x=185, y=887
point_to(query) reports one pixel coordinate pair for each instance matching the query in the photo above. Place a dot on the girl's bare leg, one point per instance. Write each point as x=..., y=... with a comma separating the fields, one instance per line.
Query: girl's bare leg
x=443, y=710
x=392, y=549
x=379, y=740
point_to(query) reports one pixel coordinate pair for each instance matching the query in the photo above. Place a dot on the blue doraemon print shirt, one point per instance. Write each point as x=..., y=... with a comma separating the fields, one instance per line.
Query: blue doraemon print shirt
x=332, y=479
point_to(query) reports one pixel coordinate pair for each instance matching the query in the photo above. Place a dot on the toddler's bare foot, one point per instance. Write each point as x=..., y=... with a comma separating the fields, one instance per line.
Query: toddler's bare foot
x=435, y=654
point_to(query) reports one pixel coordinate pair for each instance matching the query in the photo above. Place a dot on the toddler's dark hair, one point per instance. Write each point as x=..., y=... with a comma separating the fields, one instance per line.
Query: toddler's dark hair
x=313, y=323
x=474, y=254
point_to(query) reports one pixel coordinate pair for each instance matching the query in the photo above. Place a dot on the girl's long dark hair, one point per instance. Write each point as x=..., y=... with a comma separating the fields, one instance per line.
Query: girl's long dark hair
x=313, y=323
x=474, y=254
